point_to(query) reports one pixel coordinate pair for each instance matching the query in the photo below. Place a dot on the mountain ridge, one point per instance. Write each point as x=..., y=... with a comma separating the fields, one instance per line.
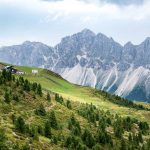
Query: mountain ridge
x=90, y=59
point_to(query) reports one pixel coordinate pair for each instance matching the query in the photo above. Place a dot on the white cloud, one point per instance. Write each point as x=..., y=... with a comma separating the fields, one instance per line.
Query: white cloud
x=55, y=19
x=67, y=8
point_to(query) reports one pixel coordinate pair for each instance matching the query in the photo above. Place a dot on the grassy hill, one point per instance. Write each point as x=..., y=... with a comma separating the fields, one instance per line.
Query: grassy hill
x=55, y=83
x=67, y=120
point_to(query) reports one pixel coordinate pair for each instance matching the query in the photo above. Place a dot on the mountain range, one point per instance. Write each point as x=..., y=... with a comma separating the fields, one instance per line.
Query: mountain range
x=90, y=59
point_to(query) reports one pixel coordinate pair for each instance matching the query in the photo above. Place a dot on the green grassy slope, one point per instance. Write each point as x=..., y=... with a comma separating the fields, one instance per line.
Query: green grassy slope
x=80, y=125
x=53, y=82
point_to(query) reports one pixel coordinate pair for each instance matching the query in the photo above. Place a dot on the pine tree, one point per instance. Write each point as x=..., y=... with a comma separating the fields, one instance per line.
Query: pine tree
x=148, y=144
x=9, y=76
x=13, y=78
x=69, y=104
x=75, y=131
x=130, y=137
x=96, y=147
x=118, y=128
x=140, y=137
x=68, y=141
x=25, y=147
x=40, y=130
x=34, y=86
x=13, y=118
x=7, y=97
x=54, y=139
x=21, y=80
x=81, y=147
x=26, y=85
x=39, y=89
x=88, y=138
x=20, y=125
x=56, y=97
x=16, y=146
x=52, y=120
x=47, y=130
x=4, y=74
x=17, y=82
x=40, y=110
x=3, y=140
x=16, y=98
x=123, y=145
x=48, y=97
x=34, y=133
x=102, y=124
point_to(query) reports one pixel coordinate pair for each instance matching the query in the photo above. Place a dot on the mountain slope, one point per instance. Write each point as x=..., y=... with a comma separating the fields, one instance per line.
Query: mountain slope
x=55, y=83
x=92, y=60
x=30, y=119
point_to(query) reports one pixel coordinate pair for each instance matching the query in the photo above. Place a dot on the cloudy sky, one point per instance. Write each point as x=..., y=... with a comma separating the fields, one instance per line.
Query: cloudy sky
x=48, y=21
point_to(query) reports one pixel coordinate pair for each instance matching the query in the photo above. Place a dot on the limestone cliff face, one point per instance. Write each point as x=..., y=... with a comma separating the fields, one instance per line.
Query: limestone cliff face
x=91, y=59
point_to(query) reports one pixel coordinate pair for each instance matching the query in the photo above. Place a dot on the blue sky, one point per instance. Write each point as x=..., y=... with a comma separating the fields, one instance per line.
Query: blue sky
x=48, y=21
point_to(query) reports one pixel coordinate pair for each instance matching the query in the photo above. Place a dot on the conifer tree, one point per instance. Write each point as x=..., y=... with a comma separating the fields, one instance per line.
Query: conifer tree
x=9, y=76
x=40, y=130
x=20, y=125
x=88, y=138
x=52, y=120
x=118, y=128
x=39, y=89
x=17, y=82
x=130, y=137
x=40, y=110
x=68, y=141
x=4, y=73
x=34, y=86
x=7, y=97
x=3, y=140
x=48, y=97
x=47, y=130
x=148, y=144
x=54, y=139
x=96, y=147
x=34, y=133
x=123, y=145
x=140, y=137
x=26, y=147
x=69, y=104
x=26, y=85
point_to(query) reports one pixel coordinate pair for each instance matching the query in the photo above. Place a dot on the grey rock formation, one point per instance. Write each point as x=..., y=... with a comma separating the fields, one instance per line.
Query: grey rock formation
x=91, y=59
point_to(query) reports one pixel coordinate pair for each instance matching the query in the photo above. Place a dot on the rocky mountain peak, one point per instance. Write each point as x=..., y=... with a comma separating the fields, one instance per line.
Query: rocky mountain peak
x=128, y=44
x=90, y=59
x=87, y=32
x=147, y=42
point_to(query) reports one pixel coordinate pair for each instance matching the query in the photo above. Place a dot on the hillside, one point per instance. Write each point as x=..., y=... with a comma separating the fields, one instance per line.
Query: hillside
x=55, y=83
x=32, y=118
